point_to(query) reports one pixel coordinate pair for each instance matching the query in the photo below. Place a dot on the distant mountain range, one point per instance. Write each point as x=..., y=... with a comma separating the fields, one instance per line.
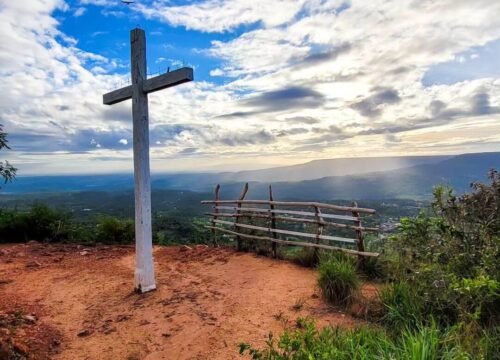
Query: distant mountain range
x=355, y=178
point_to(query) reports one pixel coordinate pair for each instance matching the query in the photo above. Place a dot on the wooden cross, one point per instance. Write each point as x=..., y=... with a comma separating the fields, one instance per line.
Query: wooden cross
x=138, y=92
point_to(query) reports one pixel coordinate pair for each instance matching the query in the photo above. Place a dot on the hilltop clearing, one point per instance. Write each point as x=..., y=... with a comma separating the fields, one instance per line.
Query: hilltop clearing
x=72, y=302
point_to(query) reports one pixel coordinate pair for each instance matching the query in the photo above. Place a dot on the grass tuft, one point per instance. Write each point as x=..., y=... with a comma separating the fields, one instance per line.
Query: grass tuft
x=338, y=280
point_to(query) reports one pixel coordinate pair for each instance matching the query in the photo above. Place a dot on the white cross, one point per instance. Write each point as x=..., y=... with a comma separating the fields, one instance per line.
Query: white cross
x=138, y=92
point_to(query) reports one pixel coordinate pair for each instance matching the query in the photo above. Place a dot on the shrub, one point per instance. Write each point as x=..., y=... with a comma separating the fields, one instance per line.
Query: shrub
x=402, y=308
x=38, y=223
x=110, y=230
x=307, y=342
x=338, y=279
x=449, y=257
x=307, y=257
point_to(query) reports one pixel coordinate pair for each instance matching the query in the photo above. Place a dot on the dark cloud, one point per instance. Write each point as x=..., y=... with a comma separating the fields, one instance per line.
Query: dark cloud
x=292, y=97
x=292, y=131
x=440, y=110
x=236, y=114
x=249, y=138
x=320, y=57
x=480, y=104
x=188, y=151
x=166, y=132
x=63, y=108
x=288, y=98
x=372, y=105
x=302, y=120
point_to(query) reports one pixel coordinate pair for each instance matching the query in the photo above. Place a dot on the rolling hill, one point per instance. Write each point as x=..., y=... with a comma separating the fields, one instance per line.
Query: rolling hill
x=357, y=178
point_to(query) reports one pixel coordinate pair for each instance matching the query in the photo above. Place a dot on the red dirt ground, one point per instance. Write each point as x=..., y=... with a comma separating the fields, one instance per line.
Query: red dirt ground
x=208, y=301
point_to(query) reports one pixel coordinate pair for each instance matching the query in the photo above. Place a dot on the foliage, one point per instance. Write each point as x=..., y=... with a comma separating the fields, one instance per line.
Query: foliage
x=307, y=342
x=403, y=309
x=110, y=230
x=449, y=258
x=43, y=223
x=338, y=280
x=305, y=256
x=442, y=300
x=39, y=223
x=179, y=230
x=7, y=171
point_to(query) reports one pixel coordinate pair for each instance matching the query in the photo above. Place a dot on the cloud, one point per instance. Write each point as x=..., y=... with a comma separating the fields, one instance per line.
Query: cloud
x=337, y=79
x=302, y=120
x=372, y=106
x=317, y=58
x=223, y=15
x=79, y=11
x=216, y=72
x=286, y=98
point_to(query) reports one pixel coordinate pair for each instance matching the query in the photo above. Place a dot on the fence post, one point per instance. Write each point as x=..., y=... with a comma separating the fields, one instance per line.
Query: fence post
x=360, y=237
x=319, y=228
x=216, y=211
x=273, y=221
x=237, y=220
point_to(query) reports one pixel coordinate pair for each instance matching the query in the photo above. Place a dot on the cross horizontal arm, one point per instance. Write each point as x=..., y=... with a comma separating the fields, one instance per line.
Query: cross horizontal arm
x=172, y=78
x=117, y=96
x=156, y=83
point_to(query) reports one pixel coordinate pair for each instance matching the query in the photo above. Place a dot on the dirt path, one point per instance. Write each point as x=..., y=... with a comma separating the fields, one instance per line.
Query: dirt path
x=208, y=300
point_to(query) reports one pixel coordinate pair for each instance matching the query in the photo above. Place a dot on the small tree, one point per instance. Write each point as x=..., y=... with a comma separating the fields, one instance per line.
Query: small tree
x=7, y=171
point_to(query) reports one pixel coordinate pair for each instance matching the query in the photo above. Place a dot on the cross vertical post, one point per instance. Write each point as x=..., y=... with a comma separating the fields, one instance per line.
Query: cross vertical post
x=144, y=271
x=138, y=91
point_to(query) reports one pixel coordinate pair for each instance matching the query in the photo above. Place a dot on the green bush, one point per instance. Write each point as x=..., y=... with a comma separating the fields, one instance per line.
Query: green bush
x=338, y=279
x=38, y=223
x=110, y=230
x=307, y=342
x=449, y=257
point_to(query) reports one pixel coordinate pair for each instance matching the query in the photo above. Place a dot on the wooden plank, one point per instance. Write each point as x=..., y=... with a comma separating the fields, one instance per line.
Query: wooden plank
x=360, y=238
x=242, y=196
x=172, y=78
x=214, y=231
x=156, y=83
x=293, y=212
x=296, y=243
x=319, y=228
x=272, y=224
x=144, y=273
x=287, y=232
x=299, y=220
x=117, y=96
x=293, y=203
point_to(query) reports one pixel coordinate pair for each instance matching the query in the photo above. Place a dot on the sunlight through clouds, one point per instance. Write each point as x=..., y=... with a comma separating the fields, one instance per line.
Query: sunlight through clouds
x=287, y=81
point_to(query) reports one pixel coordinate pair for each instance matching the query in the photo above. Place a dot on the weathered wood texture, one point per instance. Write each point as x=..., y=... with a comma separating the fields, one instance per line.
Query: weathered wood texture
x=160, y=82
x=144, y=272
x=273, y=222
x=138, y=92
x=242, y=196
x=297, y=243
x=293, y=203
x=269, y=214
x=215, y=215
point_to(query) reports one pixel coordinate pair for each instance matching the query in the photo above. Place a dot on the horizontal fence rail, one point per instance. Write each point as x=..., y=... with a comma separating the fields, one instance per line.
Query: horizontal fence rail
x=280, y=212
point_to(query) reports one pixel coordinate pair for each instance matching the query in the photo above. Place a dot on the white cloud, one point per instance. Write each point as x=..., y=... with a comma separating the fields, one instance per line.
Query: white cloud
x=311, y=79
x=216, y=72
x=79, y=11
x=223, y=15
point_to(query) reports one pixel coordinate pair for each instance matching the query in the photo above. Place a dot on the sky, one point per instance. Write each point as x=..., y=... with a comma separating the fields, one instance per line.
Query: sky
x=276, y=82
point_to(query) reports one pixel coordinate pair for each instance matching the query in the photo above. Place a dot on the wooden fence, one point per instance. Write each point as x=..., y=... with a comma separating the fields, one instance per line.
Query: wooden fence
x=324, y=216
